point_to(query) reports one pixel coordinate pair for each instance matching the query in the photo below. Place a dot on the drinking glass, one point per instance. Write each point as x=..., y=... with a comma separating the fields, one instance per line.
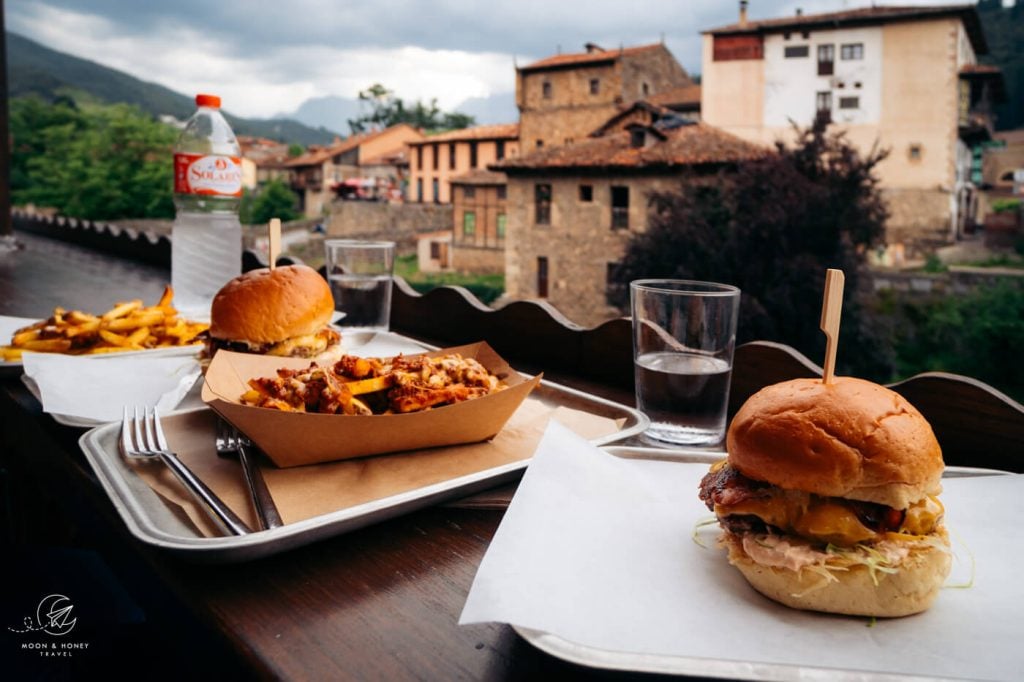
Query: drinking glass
x=684, y=335
x=360, y=274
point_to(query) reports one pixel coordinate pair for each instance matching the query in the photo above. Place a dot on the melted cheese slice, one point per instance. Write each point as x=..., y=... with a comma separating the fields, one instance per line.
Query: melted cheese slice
x=827, y=520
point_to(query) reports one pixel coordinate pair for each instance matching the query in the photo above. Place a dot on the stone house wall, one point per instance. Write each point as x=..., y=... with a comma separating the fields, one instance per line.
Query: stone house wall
x=400, y=223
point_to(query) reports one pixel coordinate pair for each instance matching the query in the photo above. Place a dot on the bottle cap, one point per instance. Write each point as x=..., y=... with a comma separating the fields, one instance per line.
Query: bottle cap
x=208, y=101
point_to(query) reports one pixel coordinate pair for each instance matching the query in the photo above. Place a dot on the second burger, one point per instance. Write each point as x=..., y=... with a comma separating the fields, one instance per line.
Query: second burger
x=285, y=311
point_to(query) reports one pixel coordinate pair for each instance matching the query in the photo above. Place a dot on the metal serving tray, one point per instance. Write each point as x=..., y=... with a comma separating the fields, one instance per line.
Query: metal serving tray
x=705, y=667
x=151, y=520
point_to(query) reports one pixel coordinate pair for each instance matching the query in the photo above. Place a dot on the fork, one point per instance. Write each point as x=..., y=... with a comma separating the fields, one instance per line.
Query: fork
x=230, y=441
x=142, y=437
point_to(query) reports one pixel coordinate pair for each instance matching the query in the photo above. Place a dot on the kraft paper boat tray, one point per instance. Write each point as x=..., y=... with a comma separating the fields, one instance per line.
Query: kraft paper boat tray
x=297, y=438
x=153, y=521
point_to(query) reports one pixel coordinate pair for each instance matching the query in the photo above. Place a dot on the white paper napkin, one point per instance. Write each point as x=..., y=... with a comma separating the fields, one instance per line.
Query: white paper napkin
x=95, y=390
x=598, y=550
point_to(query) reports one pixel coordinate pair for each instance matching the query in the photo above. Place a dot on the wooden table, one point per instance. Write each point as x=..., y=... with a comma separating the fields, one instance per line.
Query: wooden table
x=378, y=603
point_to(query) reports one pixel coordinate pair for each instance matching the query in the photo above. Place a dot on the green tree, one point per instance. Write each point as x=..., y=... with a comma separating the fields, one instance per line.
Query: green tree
x=771, y=227
x=273, y=200
x=103, y=163
x=387, y=110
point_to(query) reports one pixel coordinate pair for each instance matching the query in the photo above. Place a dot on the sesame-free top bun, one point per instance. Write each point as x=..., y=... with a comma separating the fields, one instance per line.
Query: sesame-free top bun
x=850, y=438
x=268, y=306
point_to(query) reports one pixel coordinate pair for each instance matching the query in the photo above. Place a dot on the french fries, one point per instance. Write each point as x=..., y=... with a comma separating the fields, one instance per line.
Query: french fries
x=127, y=326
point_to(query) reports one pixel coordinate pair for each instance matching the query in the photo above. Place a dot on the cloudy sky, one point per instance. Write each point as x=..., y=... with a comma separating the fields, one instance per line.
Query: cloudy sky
x=266, y=58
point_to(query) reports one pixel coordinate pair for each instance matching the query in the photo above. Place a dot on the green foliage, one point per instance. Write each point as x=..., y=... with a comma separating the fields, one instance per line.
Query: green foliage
x=104, y=163
x=934, y=264
x=387, y=110
x=1004, y=33
x=487, y=288
x=771, y=227
x=273, y=200
x=979, y=335
x=1005, y=205
x=296, y=150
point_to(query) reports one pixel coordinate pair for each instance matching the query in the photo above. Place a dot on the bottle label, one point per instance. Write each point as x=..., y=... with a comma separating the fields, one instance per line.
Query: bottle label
x=208, y=174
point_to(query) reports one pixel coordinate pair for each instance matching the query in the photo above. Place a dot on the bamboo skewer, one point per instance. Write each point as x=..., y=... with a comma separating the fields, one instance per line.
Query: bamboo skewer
x=831, y=311
x=274, y=247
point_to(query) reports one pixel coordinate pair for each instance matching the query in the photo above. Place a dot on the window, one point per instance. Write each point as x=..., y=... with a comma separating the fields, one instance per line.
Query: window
x=586, y=193
x=797, y=51
x=451, y=156
x=914, y=152
x=437, y=152
x=637, y=137
x=826, y=60
x=435, y=186
x=435, y=250
x=501, y=226
x=419, y=190
x=849, y=102
x=852, y=51
x=540, y=143
x=620, y=207
x=499, y=150
x=595, y=86
x=823, y=105
x=468, y=223
x=468, y=192
x=645, y=89
x=542, y=204
x=542, y=276
x=545, y=89
x=473, y=160
x=419, y=157
x=502, y=191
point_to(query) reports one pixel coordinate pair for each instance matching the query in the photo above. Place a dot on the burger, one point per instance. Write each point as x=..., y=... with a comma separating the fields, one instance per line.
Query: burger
x=283, y=311
x=828, y=499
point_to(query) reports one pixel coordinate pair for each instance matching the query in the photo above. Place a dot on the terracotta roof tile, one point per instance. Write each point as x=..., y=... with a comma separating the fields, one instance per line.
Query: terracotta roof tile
x=688, y=145
x=498, y=131
x=686, y=95
x=860, y=17
x=597, y=55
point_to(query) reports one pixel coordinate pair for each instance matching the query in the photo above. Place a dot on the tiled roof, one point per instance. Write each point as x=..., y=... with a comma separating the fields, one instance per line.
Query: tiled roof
x=688, y=145
x=595, y=55
x=480, y=176
x=685, y=96
x=317, y=155
x=863, y=16
x=498, y=131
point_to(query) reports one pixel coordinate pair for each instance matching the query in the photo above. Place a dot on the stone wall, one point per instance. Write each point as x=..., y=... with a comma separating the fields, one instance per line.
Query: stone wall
x=919, y=219
x=478, y=260
x=960, y=279
x=400, y=223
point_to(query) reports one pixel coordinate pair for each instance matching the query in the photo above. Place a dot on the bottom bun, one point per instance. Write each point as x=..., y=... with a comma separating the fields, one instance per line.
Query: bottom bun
x=911, y=589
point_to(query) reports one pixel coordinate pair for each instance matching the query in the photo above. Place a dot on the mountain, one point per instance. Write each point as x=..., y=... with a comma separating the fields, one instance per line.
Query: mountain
x=1004, y=32
x=33, y=69
x=332, y=112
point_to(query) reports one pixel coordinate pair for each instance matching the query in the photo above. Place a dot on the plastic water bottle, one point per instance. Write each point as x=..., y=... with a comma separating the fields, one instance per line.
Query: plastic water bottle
x=206, y=241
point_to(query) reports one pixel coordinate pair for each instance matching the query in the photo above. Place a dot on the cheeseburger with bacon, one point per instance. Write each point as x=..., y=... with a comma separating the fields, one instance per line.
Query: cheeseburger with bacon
x=828, y=498
x=283, y=311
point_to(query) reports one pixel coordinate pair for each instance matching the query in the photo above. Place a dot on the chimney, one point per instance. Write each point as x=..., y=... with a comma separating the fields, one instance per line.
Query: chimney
x=743, y=13
x=799, y=11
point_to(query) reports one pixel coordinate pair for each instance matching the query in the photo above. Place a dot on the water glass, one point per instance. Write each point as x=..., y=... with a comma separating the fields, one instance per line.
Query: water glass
x=360, y=274
x=684, y=335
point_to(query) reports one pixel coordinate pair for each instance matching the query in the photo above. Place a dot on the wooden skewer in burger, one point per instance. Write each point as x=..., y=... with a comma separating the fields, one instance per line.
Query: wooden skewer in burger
x=828, y=496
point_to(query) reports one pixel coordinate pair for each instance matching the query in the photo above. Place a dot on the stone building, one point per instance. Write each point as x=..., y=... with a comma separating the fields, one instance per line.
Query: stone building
x=572, y=209
x=436, y=159
x=320, y=173
x=563, y=98
x=479, y=202
x=904, y=78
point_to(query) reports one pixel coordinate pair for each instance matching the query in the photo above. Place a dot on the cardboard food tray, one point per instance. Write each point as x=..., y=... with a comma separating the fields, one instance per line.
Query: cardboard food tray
x=330, y=437
x=151, y=519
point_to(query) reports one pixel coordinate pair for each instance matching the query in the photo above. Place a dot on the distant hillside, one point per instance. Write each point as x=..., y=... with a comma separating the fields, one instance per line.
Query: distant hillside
x=35, y=69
